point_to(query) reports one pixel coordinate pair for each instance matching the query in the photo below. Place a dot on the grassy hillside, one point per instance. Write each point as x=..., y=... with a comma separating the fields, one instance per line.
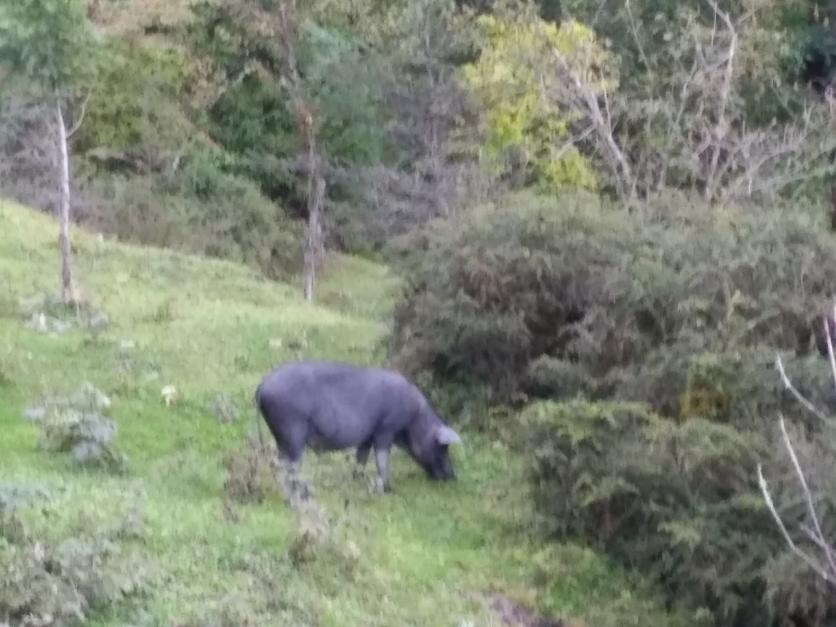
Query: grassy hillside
x=425, y=555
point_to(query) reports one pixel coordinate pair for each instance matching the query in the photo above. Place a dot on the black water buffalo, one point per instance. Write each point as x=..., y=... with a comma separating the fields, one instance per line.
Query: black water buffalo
x=328, y=406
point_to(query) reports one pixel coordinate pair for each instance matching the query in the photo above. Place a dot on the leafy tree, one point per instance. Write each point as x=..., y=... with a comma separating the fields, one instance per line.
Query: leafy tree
x=50, y=45
x=344, y=80
x=298, y=100
x=139, y=101
x=339, y=73
x=424, y=40
x=425, y=43
x=512, y=77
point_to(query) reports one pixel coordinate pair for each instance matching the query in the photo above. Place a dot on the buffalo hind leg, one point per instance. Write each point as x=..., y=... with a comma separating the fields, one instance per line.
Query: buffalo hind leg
x=382, y=459
x=295, y=487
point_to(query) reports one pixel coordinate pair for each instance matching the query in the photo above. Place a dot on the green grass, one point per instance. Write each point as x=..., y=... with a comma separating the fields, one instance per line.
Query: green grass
x=210, y=327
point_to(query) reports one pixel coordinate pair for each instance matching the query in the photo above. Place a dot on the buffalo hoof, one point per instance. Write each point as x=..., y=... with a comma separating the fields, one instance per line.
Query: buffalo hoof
x=376, y=486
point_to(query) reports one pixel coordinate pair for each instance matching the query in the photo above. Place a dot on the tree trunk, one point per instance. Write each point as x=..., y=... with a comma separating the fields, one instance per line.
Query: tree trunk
x=314, y=246
x=68, y=293
x=313, y=236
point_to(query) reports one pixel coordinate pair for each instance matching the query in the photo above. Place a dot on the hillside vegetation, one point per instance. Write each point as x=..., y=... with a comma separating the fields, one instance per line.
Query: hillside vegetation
x=597, y=234
x=426, y=555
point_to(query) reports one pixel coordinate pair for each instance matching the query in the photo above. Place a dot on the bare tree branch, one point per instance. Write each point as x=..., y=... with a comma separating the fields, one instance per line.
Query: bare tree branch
x=826, y=322
x=80, y=119
x=811, y=510
x=688, y=129
x=820, y=570
x=583, y=98
x=826, y=568
x=572, y=141
x=721, y=127
x=789, y=386
x=635, y=32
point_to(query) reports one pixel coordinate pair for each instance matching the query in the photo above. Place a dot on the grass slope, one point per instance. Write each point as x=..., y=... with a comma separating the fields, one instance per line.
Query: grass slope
x=206, y=327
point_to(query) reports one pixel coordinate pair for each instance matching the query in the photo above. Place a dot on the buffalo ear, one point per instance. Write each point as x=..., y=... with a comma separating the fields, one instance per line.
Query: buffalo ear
x=445, y=436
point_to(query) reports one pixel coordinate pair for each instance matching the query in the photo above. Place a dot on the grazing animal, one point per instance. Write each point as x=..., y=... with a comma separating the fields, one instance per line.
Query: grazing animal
x=327, y=406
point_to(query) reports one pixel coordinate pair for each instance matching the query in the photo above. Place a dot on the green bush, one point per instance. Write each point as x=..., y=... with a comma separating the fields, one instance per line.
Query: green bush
x=148, y=180
x=200, y=209
x=678, y=501
x=45, y=582
x=252, y=120
x=76, y=424
x=251, y=470
x=87, y=437
x=355, y=227
x=658, y=330
x=16, y=495
x=541, y=297
x=137, y=108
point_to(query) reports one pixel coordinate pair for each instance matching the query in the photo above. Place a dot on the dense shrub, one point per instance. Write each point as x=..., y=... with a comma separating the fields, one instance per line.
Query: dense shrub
x=48, y=582
x=87, y=437
x=137, y=110
x=679, y=501
x=77, y=424
x=200, y=209
x=251, y=470
x=671, y=305
x=666, y=322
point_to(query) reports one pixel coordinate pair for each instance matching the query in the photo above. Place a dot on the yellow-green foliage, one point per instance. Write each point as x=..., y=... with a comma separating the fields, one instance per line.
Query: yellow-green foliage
x=512, y=77
x=135, y=100
x=705, y=394
x=703, y=402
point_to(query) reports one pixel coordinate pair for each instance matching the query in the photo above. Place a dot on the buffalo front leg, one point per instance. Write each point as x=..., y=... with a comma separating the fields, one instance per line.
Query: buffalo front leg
x=382, y=459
